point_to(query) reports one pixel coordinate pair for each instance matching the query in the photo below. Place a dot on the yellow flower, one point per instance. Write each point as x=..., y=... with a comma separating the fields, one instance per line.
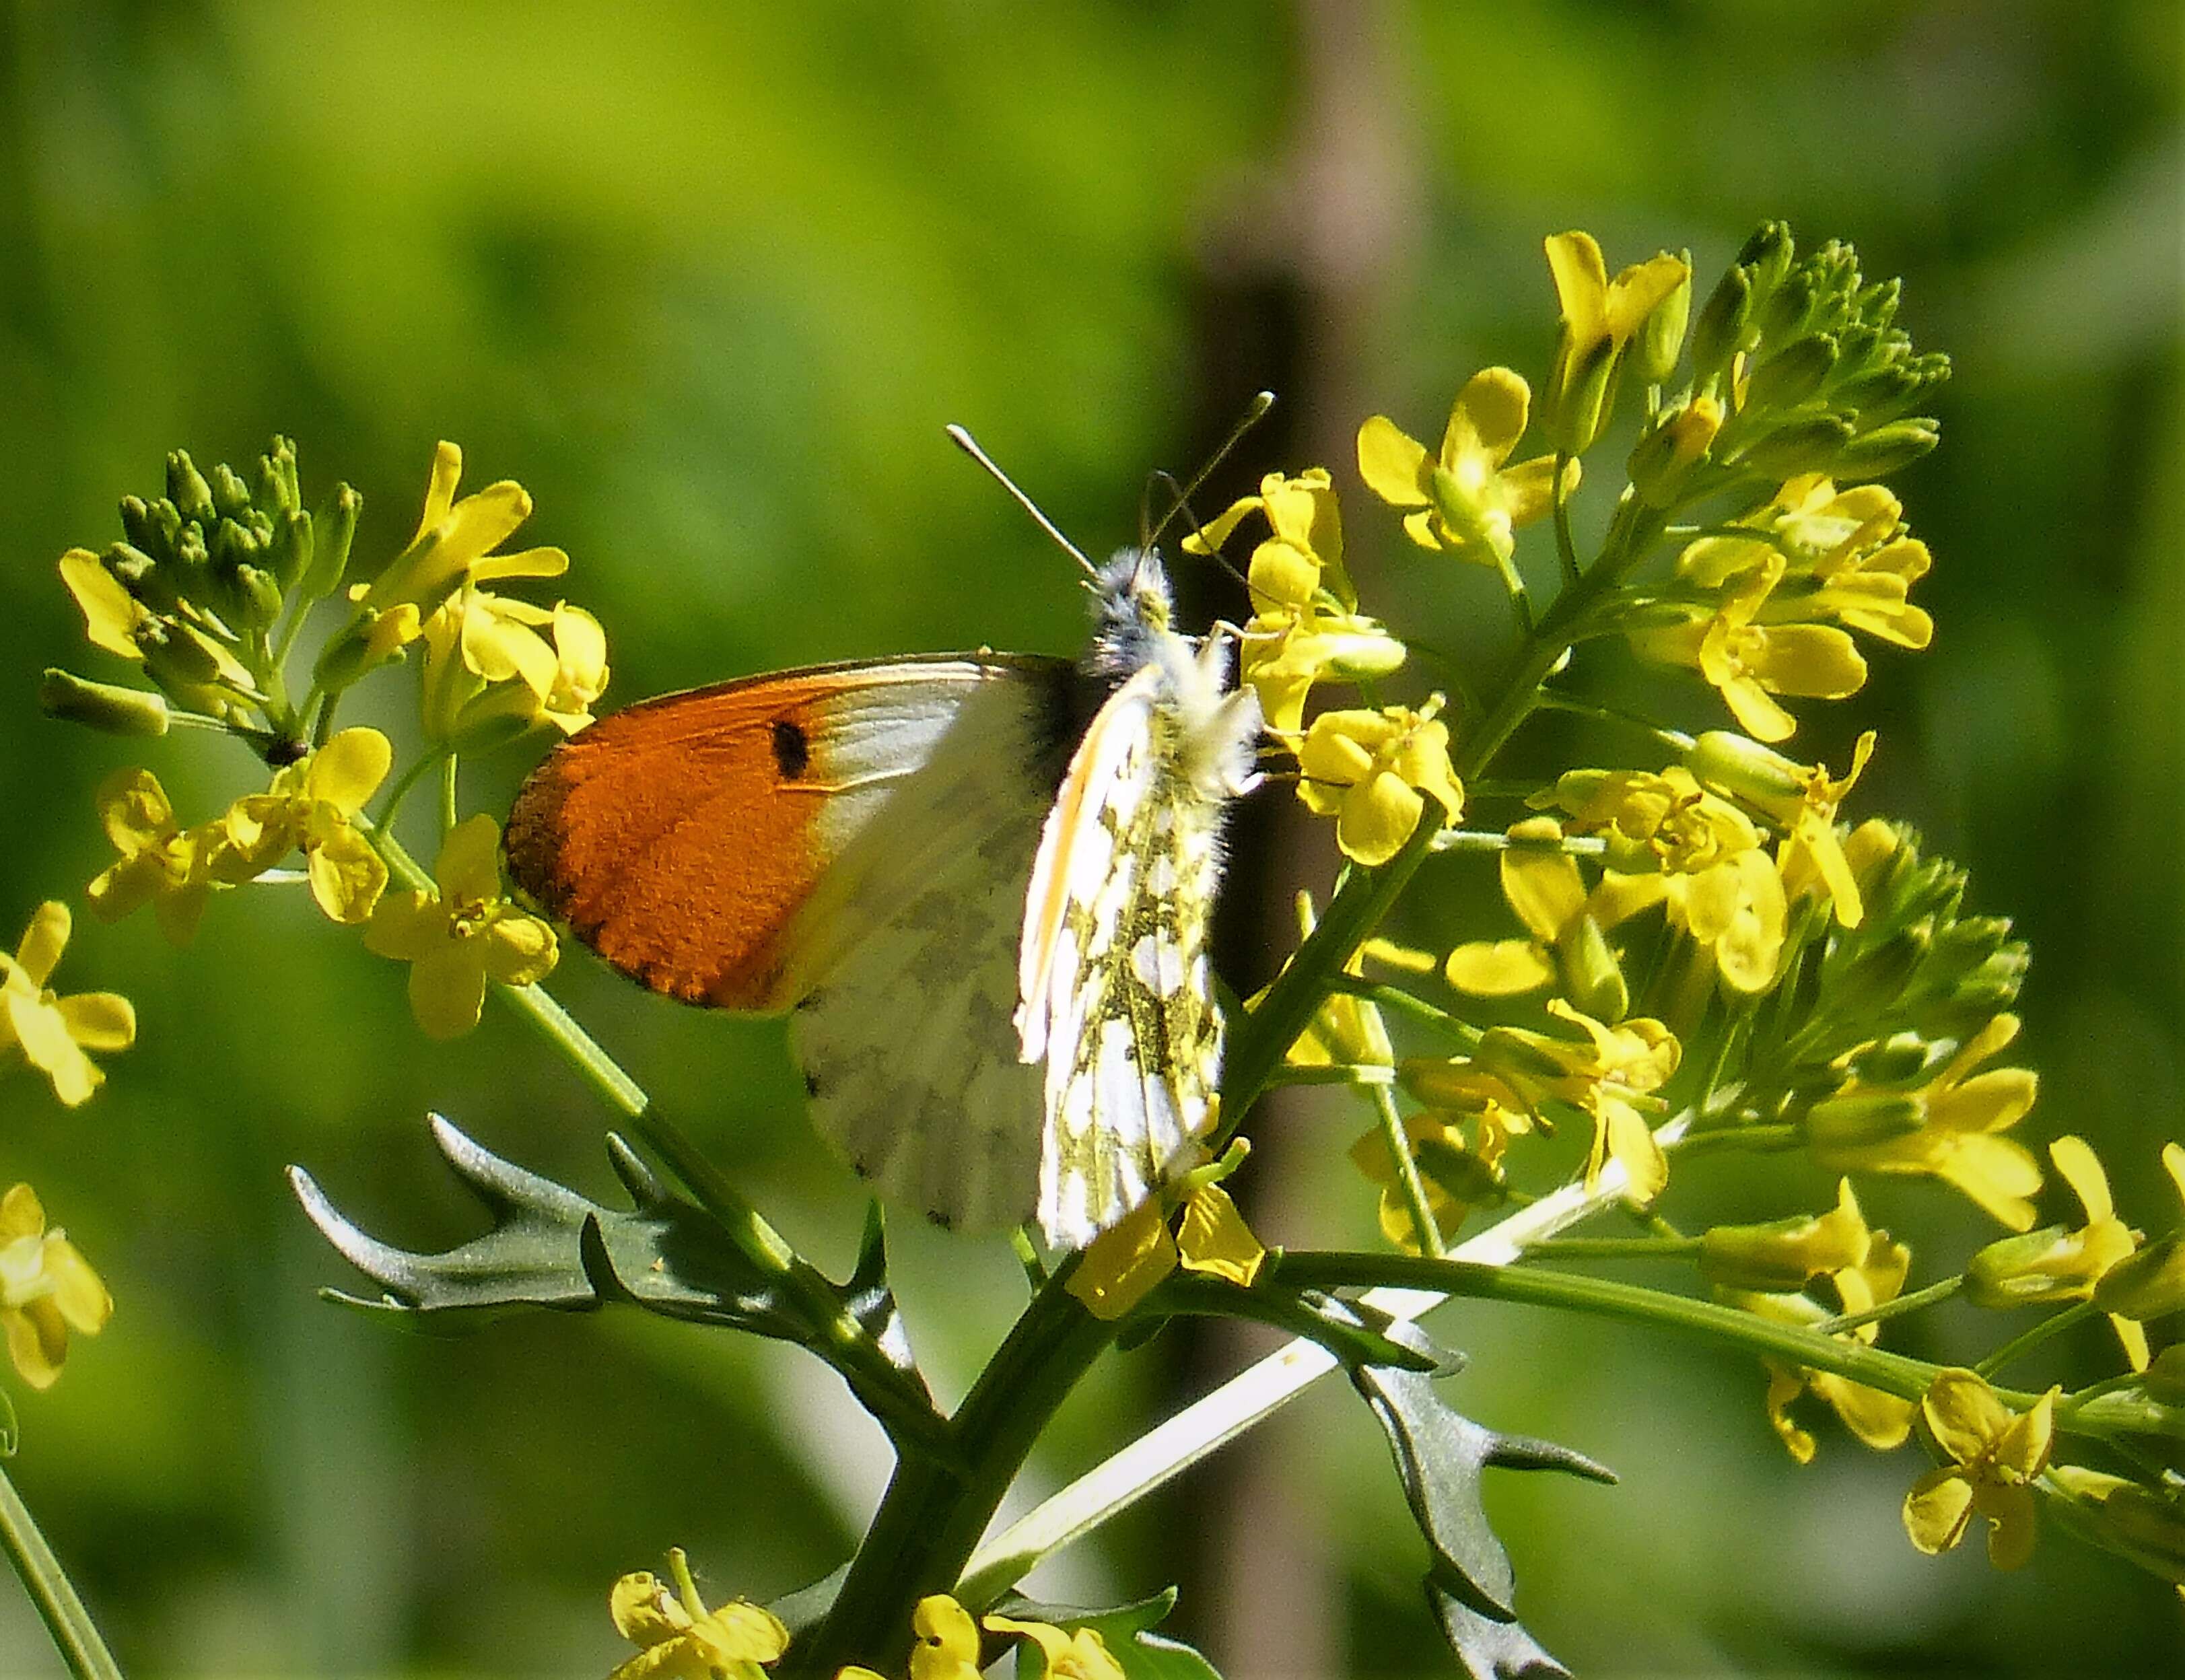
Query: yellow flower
x=1848, y=559
x=53, y=1033
x=1749, y=660
x=47, y=1289
x=947, y=1646
x=1369, y=769
x=311, y=806
x=186, y=663
x=161, y=863
x=1947, y=1128
x=1612, y=1077
x=1122, y=1264
x=1467, y=501
x=1457, y=1176
x=1082, y=1655
x=1787, y=1253
x=1304, y=627
x=113, y=618
x=1996, y=1455
x=1875, y=1274
x=1600, y=317
x=2151, y=1283
x=1803, y=799
x=455, y=543
x=1347, y=1032
x=681, y=1639
x=456, y=939
x=2058, y=1265
x=1544, y=887
x=489, y=675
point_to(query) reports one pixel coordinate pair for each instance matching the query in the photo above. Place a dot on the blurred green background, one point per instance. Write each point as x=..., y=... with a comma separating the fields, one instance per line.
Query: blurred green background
x=709, y=280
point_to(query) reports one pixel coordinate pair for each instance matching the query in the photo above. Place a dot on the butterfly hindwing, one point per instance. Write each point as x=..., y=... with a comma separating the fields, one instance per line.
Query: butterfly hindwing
x=854, y=841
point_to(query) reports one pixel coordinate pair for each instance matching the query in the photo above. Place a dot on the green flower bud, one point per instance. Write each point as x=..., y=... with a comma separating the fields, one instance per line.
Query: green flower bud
x=1720, y=332
x=178, y=656
x=1897, y=1059
x=1784, y=312
x=1661, y=338
x=2148, y=1285
x=1814, y=445
x=1591, y=979
x=289, y=551
x=1875, y=979
x=1665, y=457
x=1766, y=255
x=108, y=707
x=2165, y=1377
x=1782, y=1254
x=231, y=496
x=333, y=527
x=1792, y=375
x=277, y=490
x=1877, y=304
x=2010, y=1273
x=1860, y=1118
x=1883, y=451
x=258, y=597
x=187, y=489
x=1742, y=767
x=1579, y=408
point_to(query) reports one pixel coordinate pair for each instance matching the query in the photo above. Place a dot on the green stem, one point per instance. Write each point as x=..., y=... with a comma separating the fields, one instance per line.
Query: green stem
x=1494, y=840
x=1613, y=1248
x=2019, y=1346
x=1407, y=1172
x=1605, y=1297
x=1521, y=600
x=74, y=1635
x=1383, y=996
x=450, y=815
x=1889, y=1309
x=1566, y=548
x=1736, y=1137
x=1675, y=740
x=408, y=780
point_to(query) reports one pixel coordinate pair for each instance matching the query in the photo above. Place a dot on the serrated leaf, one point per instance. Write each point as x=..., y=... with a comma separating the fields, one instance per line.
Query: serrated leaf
x=551, y=1248
x=1489, y=1649
x=1440, y=1457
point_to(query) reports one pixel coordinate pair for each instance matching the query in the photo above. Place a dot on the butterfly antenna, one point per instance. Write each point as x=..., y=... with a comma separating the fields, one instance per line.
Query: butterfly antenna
x=965, y=441
x=1255, y=412
x=1183, y=506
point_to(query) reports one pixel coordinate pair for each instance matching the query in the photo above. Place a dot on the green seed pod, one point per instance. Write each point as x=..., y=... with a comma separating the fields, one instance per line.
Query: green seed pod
x=333, y=527
x=1661, y=338
x=1861, y=1119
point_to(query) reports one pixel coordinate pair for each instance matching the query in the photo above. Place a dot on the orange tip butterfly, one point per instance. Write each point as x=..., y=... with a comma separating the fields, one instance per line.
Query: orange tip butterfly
x=980, y=883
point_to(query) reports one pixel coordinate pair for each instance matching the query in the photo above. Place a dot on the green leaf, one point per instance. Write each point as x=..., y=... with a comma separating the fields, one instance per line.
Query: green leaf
x=1440, y=1456
x=551, y=1248
x=1490, y=1650
x=1126, y=1630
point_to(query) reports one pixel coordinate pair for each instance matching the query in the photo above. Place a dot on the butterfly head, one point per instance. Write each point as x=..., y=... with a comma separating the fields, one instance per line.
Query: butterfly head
x=1132, y=608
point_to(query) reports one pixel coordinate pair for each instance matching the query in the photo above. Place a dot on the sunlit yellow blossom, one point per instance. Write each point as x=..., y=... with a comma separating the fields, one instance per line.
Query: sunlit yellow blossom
x=1875, y=1275
x=311, y=806
x=2054, y=1264
x=1347, y=1032
x=490, y=674
x=113, y=618
x=1749, y=660
x=1305, y=627
x=1369, y=771
x=1803, y=799
x=1465, y=499
x=1600, y=316
x=1693, y=850
x=1612, y=1077
x=1848, y=556
x=947, y=1646
x=454, y=545
x=1567, y=924
x=1121, y=1266
x=457, y=938
x=47, y=1289
x=161, y=863
x=1947, y=1128
x=1082, y=1655
x=681, y=1639
x=53, y=1033
x=1995, y=1454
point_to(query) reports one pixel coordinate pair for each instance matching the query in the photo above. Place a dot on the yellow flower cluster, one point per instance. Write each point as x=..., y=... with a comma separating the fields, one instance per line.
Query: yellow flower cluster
x=52, y=1033
x=1771, y=613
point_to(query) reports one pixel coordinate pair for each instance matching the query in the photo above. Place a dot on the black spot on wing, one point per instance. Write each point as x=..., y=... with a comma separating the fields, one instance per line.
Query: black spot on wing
x=792, y=751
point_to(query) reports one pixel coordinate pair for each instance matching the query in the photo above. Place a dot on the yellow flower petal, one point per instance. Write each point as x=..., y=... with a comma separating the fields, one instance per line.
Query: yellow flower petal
x=43, y=941
x=447, y=990
x=1393, y=464
x=1487, y=419
x=1213, y=1238
x=348, y=770
x=1121, y=1266
x=98, y=1020
x=1937, y=1510
x=1498, y=969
